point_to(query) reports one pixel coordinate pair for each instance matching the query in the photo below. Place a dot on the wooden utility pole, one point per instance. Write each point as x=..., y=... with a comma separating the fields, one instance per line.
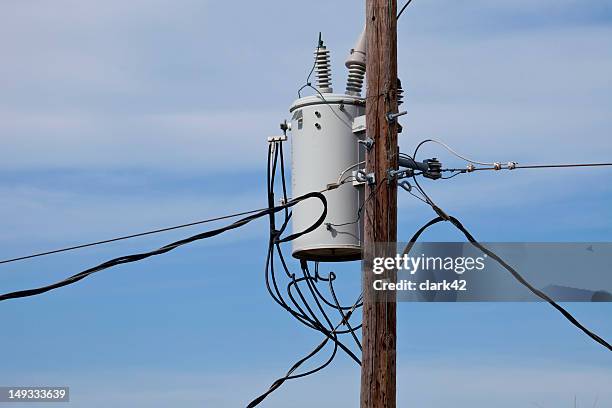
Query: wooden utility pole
x=378, y=369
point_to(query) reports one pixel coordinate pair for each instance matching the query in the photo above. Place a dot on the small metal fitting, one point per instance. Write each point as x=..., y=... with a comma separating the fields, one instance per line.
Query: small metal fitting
x=285, y=126
x=511, y=165
x=497, y=166
x=274, y=139
x=392, y=117
x=434, y=169
x=364, y=177
x=399, y=174
x=470, y=168
x=367, y=142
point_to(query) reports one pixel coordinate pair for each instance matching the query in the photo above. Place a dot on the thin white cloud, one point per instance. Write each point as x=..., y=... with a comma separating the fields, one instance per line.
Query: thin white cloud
x=32, y=216
x=213, y=140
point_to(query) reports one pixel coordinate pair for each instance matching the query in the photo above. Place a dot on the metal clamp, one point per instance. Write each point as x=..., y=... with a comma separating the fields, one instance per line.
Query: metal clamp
x=363, y=177
x=399, y=174
x=367, y=142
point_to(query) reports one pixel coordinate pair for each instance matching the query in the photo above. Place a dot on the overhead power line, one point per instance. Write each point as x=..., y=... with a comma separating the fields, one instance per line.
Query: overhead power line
x=137, y=257
x=528, y=285
x=140, y=234
x=403, y=8
x=497, y=165
x=443, y=216
x=513, y=165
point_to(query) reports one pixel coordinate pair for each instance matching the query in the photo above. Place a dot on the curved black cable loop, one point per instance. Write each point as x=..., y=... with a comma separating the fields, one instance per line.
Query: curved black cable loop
x=299, y=306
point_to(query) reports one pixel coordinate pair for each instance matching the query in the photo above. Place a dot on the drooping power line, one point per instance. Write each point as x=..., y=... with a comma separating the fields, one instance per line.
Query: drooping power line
x=167, y=248
x=140, y=234
x=443, y=216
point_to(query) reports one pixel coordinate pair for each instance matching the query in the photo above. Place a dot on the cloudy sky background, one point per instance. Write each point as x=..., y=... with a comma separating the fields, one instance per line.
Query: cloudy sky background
x=122, y=116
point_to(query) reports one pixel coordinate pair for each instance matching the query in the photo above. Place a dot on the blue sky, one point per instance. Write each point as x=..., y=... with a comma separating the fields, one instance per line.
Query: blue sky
x=121, y=116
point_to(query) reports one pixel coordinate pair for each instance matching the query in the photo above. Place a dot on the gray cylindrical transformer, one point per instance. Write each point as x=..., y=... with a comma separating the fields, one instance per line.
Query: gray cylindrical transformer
x=324, y=145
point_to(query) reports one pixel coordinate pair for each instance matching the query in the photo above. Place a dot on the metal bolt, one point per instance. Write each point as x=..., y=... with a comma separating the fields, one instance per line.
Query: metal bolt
x=391, y=117
x=367, y=142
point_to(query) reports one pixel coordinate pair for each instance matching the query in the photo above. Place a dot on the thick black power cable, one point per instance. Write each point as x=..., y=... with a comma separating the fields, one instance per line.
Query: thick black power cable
x=208, y=234
x=300, y=310
x=140, y=234
x=531, y=288
x=289, y=375
x=300, y=313
x=345, y=317
x=455, y=222
x=270, y=276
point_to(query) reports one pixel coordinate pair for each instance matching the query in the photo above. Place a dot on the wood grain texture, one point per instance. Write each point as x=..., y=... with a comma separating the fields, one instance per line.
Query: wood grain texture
x=378, y=371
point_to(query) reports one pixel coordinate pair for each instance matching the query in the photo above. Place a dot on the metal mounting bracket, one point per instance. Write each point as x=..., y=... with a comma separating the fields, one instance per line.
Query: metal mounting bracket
x=363, y=177
x=274, y=139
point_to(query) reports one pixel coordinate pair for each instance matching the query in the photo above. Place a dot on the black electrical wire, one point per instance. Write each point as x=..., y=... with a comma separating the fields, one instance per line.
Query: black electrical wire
x=208, y=234
x=325, y=316
x=314, y=64
x=455, y=222
x=403, y=8
x=270, y=275
x=451, y=176
x=319, y=277
x=345, y=317
x=531, y=288
x=348, y=125
x=361, y=207
x=140, y=234
x=300, y=309
x=314, y=322
x=289, y=375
